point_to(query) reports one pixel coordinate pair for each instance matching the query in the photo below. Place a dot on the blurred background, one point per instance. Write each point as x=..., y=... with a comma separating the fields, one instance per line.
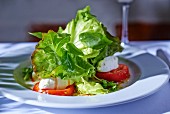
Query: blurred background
x=148, y=19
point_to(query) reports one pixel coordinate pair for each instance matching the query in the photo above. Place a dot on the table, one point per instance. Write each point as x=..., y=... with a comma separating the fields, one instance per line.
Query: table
x=157, y=103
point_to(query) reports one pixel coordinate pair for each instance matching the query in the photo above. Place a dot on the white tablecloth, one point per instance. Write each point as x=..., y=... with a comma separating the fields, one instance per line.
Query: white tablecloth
x=157, y=103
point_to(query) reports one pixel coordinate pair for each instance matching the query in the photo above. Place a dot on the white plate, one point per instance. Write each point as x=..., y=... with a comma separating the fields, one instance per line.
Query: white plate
x=154, y=76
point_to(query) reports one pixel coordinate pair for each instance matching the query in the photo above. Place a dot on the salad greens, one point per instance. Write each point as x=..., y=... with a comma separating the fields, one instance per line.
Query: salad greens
x=90, y=87
x=73, y=53
x=27, y=73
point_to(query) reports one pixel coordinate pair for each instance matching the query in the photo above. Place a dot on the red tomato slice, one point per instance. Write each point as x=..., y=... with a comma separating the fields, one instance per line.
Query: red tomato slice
x=117, y=75
x=69, y=91
x=36, y=87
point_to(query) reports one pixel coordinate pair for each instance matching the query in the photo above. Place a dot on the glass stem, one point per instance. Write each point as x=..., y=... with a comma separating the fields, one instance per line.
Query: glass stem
x=124, y=38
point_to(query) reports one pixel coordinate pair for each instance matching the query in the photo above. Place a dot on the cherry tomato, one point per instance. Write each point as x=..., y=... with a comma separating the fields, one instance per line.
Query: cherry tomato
x=117, y=75
x=69, y=91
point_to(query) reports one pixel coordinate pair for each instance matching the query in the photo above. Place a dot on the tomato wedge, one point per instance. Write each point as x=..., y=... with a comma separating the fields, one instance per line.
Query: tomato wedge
x=69, y=91
x=36, y=87
x=117, y=75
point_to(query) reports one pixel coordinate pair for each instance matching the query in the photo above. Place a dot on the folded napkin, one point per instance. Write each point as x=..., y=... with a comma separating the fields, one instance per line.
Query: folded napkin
x=15, y=49
x=153, y=47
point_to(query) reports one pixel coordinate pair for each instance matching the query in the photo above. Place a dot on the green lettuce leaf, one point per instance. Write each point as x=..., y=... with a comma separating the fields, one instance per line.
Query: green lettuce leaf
x=74, y=67
x=90, y=88
x=36, y=34
x=48, y=53
x=91, y=37
x=55, y=56
x=73, y=53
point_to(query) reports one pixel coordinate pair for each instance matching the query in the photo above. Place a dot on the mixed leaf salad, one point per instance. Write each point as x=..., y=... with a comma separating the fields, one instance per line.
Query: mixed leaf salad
x=78, y=60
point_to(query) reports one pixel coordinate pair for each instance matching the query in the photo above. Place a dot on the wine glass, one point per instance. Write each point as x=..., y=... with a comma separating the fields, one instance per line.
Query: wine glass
x=125, y=10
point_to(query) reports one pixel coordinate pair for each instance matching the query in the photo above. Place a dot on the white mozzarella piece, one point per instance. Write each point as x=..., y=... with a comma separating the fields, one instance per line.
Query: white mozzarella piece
x=54, y=83
x=107, y=64
x=62, y=84
x=47, y=83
